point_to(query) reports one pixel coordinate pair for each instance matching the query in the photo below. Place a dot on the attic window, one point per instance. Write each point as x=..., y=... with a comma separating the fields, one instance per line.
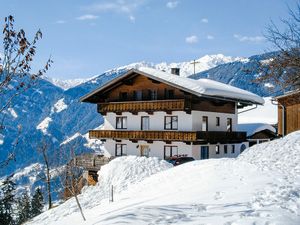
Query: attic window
x=123, y=96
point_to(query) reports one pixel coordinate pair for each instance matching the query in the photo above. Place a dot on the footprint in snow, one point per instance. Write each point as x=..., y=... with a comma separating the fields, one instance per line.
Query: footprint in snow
x=218, y=195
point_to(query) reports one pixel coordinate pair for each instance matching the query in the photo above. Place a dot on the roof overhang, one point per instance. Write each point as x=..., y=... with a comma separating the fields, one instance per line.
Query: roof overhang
x=86, y=97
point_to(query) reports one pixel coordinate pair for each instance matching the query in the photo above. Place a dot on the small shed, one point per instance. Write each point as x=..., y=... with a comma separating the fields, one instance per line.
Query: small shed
x=258, y=132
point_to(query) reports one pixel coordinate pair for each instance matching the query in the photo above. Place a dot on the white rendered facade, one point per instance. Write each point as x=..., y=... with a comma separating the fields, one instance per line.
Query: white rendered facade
x=186, y=122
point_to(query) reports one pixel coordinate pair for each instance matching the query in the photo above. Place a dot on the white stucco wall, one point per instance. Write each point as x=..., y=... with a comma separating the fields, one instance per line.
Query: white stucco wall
x=157, y=149
x=186, y=122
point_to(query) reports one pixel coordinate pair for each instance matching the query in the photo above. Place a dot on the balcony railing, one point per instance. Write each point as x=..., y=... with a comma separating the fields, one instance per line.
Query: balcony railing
x=185, y=136
x=144, y=106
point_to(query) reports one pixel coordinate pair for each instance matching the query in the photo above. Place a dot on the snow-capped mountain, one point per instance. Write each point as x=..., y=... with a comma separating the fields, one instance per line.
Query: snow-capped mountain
x=48, y=113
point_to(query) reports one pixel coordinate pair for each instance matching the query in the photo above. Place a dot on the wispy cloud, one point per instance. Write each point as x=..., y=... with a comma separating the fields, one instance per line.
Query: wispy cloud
x=172, y=4
x=210, y=37
x=191, y=39
x=127, y=7
x=132, y=18
x=60, y=21
x=255, y=39
x=87, y=17
x=204, y=20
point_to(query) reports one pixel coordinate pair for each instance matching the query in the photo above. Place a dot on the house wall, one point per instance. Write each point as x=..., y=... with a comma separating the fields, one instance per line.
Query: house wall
x=186, y=122
x=157, y=149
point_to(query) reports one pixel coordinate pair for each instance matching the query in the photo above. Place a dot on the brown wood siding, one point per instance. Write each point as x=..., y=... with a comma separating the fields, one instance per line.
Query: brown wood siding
x=142, y=83
x=138, y=83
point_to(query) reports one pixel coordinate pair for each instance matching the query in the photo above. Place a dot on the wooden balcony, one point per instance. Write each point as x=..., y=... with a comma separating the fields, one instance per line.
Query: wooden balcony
x=197, y=137
x=144, y=106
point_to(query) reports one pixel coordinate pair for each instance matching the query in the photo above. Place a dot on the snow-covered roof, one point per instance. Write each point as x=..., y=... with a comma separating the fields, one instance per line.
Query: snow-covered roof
x=252, y=128
x=201, y=87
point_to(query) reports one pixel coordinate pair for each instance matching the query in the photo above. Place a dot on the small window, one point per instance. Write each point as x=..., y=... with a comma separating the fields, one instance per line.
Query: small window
x=225, y=149
x=171, y=122
x=121, y=149
x=204, y=123
x=121, y=122
x=233, y=149
x=123, y=96
x=153, y=94
x=217, y=121
x=229, y=125
x=145, y=123
x=217, y=149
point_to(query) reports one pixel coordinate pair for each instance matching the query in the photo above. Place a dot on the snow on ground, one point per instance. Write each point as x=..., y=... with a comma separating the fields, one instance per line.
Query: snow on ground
x=59, y=106
x=262, y=186
x=262, y=114
x=43, y=126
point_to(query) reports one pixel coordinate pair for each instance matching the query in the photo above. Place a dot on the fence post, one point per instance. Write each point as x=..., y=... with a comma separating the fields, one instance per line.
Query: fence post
x=112, y=194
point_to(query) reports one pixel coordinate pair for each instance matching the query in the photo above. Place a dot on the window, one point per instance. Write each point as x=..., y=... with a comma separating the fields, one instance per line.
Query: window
x=121, y=122
x=217, y=121
x=232, y=149
x=153, y=94
x=145, y=123
x=225, y=149
x=204, y=123
x=123, y=96
x=171, y=122
x=145, y=150
x=169, y=94
x=243, y=147
x=169, y=151
x=121, y=149
x=229, y=124
x=138, y=95
x=217, y=149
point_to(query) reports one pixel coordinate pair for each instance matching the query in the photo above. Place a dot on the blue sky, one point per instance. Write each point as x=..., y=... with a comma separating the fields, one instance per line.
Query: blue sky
x=87, y=37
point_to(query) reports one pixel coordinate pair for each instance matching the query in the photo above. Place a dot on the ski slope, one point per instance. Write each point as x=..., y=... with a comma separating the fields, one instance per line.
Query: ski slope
x=261, y=186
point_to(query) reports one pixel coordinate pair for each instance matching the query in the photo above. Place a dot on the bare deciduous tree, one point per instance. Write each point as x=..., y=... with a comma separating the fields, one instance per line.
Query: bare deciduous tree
x=16, y=76
x=284, y=68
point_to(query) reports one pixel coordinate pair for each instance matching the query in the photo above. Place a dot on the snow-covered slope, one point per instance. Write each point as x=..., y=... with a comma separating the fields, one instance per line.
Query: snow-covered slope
x=262, y=186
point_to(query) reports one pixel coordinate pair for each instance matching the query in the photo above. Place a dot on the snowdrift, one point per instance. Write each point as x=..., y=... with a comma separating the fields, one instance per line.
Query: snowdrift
x=262, y=186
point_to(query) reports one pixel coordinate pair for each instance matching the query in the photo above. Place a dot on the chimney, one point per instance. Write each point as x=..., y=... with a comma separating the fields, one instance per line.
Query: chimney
x=175, y=71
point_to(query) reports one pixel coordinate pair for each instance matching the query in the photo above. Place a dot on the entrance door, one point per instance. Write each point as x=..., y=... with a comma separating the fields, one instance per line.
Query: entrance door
x=145, y=150
x=204, y=152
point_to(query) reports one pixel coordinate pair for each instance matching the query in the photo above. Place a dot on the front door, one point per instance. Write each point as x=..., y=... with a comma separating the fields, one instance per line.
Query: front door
x=204, y=152
x=145, y=150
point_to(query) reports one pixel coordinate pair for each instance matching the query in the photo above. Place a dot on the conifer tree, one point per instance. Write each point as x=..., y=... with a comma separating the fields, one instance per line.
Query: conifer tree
x=37, y=203
x=23, y=208
x=7, y=195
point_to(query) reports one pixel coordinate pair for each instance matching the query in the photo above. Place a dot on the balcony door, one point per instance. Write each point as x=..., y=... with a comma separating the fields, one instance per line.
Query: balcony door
x=204, y=152
x=144, y=150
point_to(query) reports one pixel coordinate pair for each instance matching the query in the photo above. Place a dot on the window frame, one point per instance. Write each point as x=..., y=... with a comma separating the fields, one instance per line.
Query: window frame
x=217, y=149
x=217, y=121
x=142, y=117
x=232, y=149
x=172, y=149
x=172, y=127
x=225, y=149
x=206, y=127
x=122, y=122
x=229, y=126
x=122, y=149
